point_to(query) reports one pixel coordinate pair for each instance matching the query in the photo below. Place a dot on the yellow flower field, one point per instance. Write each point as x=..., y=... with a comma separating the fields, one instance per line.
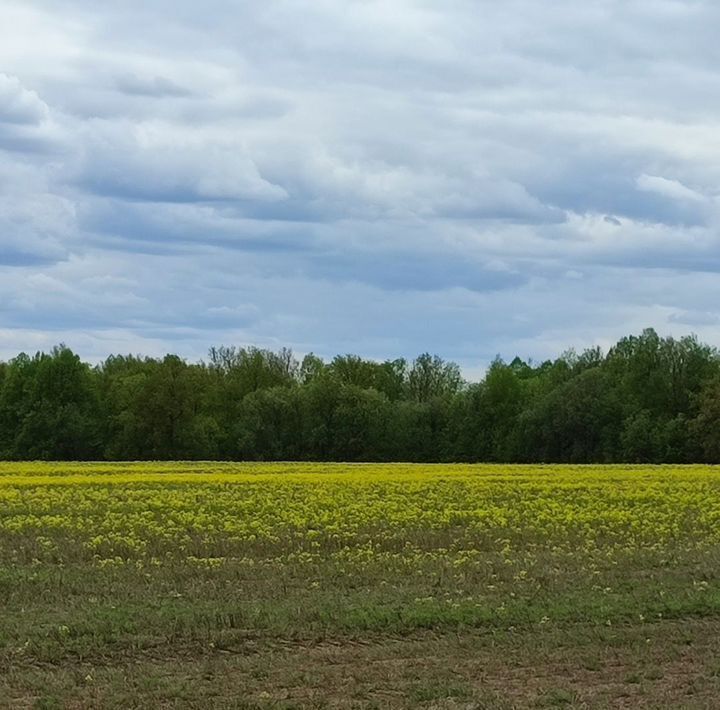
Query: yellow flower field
x=116, y=560
x=146, y=511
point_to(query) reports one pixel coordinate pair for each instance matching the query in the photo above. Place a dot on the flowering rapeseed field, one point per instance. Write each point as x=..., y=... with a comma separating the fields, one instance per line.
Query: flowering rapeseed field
x=148, y=512
x=104, y=559
x=416, y=544
x=474, y=531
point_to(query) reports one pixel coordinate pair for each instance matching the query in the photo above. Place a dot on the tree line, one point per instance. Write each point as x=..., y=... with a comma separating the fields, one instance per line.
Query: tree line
x=648, y=399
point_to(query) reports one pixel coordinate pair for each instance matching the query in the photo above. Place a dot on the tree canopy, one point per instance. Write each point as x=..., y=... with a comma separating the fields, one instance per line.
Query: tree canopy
x=648, y=399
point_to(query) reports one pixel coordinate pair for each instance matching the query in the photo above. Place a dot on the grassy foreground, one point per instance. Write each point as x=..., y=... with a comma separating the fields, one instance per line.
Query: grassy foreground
x=358, y=586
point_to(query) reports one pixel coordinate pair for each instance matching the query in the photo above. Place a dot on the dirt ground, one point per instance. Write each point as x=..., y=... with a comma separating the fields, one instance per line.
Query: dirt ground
x=668, y=664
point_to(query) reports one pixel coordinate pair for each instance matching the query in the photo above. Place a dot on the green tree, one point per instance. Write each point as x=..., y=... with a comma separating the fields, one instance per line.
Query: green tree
x=159, y=411
x=705, y=426
x=270, y=425
x=54, y=403
x=430, y=376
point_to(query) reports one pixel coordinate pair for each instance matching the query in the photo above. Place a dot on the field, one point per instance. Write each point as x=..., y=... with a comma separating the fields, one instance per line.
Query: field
x=358, y=586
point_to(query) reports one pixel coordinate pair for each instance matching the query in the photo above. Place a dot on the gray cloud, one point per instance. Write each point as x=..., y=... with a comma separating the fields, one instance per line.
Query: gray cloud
x=156, y=86
x=384, y=176
x=695, y=318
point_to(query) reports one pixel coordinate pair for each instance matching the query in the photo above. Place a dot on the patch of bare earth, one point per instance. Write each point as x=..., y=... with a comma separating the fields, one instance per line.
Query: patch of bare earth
x=660, y=665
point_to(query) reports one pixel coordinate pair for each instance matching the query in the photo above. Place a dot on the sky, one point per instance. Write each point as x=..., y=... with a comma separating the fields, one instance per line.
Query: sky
x=379, y=177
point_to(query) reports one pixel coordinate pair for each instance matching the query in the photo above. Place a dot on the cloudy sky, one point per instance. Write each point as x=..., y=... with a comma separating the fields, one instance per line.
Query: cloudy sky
x=383, y=177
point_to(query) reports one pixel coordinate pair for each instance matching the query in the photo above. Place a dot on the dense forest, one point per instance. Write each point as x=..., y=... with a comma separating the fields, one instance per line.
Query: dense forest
x=648, y=399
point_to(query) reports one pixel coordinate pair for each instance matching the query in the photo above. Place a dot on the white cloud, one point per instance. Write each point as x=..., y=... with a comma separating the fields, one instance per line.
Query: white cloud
x=673, y=189
x=18, y=105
